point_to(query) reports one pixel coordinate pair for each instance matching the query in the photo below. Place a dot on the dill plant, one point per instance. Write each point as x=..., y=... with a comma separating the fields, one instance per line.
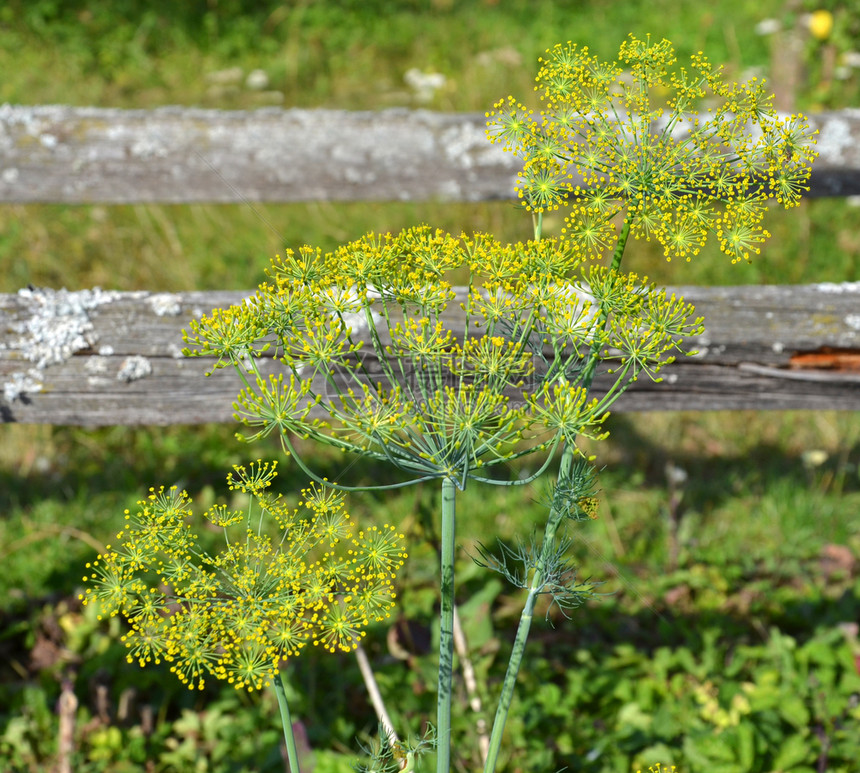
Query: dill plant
x=285, y=578
x=374, y=350
x=372, y=362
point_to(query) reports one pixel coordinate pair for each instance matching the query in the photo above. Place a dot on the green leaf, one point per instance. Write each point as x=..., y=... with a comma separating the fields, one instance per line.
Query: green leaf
x=793, y=710
x=820, y=652
x=746, y=745
x=794, y=750
x=705, y=750
x=631, y=716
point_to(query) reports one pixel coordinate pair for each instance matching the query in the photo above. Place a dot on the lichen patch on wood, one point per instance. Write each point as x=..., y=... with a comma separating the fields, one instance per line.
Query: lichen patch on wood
x=165, y=304
x=134, y=368
x=56, y=324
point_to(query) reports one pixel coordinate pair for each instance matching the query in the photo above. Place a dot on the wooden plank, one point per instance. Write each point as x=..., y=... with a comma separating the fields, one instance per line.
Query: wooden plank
x=79, y=155
x=175, y=155
x=96, y=357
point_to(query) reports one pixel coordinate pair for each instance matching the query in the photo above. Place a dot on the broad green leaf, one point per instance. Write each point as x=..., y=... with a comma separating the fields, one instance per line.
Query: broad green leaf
x=794, y=750
x=794, y=711
x=746, y=745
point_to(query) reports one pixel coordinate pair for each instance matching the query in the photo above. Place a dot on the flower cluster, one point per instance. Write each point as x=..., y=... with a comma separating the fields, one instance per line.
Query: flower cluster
x=606, y=148
x=286, y=578
x=380, y=354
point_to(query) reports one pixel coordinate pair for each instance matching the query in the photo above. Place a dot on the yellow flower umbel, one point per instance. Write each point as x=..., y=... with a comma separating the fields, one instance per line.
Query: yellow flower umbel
x=623, y=141
x=285, y=578
x=367, y=340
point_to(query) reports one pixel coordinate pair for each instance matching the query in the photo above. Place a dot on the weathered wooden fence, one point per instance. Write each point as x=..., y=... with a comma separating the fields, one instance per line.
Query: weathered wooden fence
x=100, y=357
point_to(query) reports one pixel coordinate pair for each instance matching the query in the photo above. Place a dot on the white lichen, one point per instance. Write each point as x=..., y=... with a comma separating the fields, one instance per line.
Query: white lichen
x=165, y=304
x=133, y=368
x=20, y=384
x=147, y=147
x=55, y=326
x=834, y=139
x=58, y=323
x=840, y=287
x=97, y=364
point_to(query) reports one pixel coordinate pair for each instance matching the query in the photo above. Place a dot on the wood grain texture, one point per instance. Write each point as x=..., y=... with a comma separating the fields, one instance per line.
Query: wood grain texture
x=109, y=358
x=176, y=155
x=77, y=155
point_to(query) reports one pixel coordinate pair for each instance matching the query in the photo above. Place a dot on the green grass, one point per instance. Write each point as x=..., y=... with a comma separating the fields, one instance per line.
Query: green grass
x=344, y=54
x=212, y=247
x=756, y=525
x=760, y=580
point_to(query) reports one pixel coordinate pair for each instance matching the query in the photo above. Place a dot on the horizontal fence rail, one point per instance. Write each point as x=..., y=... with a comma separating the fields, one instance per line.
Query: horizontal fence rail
x=95, y=357
x=78, y=155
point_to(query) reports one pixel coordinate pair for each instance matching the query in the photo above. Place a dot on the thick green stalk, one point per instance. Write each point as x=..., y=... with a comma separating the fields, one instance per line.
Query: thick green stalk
x=537, y=222
x=286, y=720
x=535, y=587
x=446, y=629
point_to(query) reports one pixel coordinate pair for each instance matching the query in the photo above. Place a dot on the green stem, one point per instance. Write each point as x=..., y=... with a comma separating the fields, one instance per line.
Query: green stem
x=619, y=247
x=446, y=629
x=594, y=354
x=537, y=222
x=286, y=720
x=535, y=587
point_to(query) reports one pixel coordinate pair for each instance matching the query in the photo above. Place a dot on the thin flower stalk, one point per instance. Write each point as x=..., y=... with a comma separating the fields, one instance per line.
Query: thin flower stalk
x=446, y=627
x=572, y=500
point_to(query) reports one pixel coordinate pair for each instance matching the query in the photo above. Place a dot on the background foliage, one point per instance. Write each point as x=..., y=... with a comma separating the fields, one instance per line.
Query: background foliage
x=727, y=640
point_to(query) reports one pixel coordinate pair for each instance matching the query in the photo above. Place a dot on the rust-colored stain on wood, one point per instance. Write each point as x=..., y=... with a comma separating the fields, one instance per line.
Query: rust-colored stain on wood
x=827, y=358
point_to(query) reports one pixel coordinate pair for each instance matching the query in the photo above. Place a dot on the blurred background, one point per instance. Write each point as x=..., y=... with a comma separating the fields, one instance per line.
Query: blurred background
x=729, y=543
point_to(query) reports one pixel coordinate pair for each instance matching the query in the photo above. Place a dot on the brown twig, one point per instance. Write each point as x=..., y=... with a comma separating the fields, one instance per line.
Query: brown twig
x=67, y=707
x=375, y=695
